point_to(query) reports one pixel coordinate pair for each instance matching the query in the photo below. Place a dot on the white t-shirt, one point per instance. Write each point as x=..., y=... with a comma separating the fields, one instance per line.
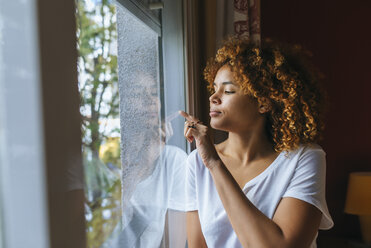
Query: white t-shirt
x=299, y=174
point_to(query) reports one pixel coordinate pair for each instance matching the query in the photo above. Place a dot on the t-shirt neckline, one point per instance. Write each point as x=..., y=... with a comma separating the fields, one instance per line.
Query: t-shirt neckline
x=263, y=173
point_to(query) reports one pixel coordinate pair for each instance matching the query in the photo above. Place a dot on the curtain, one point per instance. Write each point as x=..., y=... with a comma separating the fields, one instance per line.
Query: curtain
x=238, y=17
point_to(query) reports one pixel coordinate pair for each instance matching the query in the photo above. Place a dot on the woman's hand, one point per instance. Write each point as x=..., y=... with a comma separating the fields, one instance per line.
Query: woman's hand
x=195, y=130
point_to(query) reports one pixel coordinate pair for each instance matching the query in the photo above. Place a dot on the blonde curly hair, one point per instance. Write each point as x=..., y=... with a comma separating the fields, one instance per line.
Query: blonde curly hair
x=282, y=76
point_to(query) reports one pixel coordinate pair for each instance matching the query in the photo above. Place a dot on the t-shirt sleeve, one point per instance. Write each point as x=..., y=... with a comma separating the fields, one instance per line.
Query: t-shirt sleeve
x=309, y=182
x=191, y=191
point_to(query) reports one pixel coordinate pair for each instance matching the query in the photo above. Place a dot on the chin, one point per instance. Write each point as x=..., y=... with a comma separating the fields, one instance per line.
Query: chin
x=218, y=125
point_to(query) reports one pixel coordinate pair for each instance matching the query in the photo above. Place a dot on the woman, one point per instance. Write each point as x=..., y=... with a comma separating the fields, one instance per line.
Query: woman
x=265, y=185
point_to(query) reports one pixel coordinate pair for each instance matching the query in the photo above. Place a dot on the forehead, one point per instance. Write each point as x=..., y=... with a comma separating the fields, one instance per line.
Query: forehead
x=224, y=76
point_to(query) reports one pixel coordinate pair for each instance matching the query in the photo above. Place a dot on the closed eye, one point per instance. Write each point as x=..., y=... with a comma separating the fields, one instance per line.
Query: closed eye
x=229, y=92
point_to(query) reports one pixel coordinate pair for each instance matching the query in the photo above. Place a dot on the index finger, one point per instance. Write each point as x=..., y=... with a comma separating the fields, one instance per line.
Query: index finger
x=187, y=116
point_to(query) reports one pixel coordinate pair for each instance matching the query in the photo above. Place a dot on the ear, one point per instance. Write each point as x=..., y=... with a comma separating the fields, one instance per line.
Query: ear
x=264, y=105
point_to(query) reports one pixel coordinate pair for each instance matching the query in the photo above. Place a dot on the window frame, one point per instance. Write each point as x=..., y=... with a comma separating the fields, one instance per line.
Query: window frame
x=143, y=13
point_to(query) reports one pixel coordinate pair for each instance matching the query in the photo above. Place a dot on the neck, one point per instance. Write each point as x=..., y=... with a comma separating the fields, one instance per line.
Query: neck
x=248, y=146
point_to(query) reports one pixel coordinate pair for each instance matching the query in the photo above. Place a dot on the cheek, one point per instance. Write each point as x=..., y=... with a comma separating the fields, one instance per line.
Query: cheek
x=244, y=112
x=237, y=107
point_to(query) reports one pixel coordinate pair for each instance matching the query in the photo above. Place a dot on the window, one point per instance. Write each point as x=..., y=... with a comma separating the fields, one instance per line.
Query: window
x=97, y=67
x=23, y=199
x=131, y=82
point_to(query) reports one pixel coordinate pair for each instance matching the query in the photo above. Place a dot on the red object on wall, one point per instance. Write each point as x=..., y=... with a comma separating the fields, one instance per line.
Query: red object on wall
x=337, y=33
x=241, y=5
x=247, y=19
x=241, y=27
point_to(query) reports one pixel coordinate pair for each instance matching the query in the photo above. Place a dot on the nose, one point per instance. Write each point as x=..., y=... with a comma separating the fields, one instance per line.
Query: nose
x=214, y=98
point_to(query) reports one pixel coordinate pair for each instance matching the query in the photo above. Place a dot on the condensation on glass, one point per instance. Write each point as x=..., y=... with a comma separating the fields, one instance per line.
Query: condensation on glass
x=153, y=173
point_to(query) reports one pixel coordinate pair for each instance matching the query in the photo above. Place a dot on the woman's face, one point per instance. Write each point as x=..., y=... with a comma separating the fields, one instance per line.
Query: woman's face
x=230, y=109
x=145, y=101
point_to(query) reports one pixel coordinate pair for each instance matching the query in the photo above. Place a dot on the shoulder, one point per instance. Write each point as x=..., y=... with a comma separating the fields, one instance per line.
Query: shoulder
x=312, y=152
x=312, y=148
x=174, y=152
x=306, y=151
x=309, y=158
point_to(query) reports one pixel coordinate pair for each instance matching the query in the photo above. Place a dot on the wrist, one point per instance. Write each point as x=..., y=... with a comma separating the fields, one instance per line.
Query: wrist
x=214, y=164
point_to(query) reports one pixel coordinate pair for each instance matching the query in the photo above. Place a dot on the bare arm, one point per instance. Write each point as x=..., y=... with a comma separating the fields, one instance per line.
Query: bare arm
x=294, y=224
x=194, y=234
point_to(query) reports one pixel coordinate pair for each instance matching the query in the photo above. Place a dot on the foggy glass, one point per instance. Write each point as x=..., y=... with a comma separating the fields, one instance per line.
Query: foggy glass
x=139, y=99
x=153, y=173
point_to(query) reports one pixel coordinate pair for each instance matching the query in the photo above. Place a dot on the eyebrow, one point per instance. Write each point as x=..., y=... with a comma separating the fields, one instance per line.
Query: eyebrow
x=225, y=83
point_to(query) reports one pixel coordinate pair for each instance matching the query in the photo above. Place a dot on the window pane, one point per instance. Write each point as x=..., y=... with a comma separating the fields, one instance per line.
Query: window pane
x=152, y=171
x=149, y=171
x=97, y=67
x=140, y=99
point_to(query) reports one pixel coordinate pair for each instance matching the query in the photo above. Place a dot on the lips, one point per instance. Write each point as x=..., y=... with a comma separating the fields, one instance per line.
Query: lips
x=214, y=112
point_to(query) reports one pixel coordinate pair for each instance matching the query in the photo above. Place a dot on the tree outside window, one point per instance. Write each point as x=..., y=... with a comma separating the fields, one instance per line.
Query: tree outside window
x=98, y=86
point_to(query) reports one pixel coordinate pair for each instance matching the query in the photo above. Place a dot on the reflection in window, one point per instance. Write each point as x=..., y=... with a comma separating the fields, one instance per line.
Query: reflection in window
x=152, y=172
x=97, y=68
x=133, y=178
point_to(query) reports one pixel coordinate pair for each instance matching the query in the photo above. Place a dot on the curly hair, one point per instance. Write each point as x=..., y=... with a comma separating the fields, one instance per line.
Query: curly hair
x=282, y=76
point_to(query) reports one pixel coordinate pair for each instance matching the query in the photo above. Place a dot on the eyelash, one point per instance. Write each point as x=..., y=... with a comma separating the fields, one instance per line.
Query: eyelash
x=226, y=91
